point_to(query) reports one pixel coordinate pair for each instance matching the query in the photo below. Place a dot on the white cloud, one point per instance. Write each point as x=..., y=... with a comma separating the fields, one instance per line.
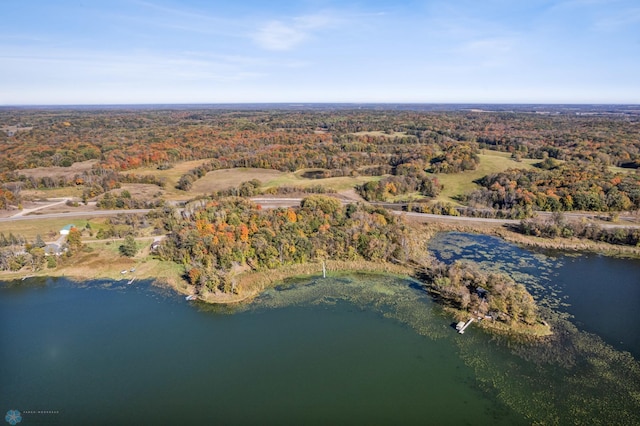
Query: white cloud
x=629, y=17
x=279, y=35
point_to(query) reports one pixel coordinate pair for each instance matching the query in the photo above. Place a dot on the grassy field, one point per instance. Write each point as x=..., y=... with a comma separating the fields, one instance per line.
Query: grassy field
x=48, y=229
x=454, y=184
x=57, y=172
x=228, y=178
x=171, y=176
x=381, y=133
x=69, y=191
x=490, y=162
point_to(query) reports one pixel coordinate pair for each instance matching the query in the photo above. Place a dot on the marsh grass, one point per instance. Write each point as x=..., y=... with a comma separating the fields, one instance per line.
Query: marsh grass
x=253, y=283
x=571, y=377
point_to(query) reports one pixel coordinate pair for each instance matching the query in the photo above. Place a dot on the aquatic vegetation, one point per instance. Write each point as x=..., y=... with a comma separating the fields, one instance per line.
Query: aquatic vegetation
x=572, y=377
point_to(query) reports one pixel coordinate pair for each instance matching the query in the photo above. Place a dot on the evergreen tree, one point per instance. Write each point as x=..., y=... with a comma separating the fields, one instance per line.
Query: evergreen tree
x=39, y=242
x=129, y=248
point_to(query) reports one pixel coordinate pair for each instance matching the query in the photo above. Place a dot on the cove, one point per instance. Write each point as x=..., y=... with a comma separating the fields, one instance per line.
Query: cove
x=602, y=294
x=108, y=353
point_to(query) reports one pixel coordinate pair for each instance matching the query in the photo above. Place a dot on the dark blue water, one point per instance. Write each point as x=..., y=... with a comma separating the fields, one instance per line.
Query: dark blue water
x=343, y=350
x=601, y=293
x=138, y=355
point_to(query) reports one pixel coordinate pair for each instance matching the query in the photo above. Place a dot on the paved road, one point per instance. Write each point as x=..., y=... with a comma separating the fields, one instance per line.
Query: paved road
x=292, y=202
x=73, y=214
x=25, y=212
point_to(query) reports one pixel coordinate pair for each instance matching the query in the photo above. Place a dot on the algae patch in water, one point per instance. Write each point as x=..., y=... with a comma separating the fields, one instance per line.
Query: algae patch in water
x=573, y=377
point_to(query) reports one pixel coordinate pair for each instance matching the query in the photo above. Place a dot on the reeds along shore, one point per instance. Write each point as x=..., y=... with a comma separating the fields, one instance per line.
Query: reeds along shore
x=251, y=284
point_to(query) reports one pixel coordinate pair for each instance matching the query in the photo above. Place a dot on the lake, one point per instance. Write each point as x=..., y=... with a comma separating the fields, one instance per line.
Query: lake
x=342, y=350
x=601, y=293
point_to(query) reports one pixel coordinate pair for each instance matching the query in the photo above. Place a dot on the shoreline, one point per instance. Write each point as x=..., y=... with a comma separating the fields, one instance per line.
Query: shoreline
x=101, y=263
x=569, y=245
x=253, y=283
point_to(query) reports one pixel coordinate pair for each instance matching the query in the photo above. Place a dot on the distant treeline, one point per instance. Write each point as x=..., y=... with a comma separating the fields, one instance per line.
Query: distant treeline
x=559, y=227
x=126, y=139
x=340, y=142
x=563, y=187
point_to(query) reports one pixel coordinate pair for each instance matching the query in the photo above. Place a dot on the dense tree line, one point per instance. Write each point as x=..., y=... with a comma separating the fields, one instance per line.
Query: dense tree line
x=288, y=190
x=217, y=236
x=569, y=186
x=214, y=239
x=124, y=200
x=254, y=188
x=558, y=227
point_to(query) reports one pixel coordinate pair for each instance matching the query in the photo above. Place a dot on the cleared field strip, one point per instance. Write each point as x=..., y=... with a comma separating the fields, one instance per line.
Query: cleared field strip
x=490, y=162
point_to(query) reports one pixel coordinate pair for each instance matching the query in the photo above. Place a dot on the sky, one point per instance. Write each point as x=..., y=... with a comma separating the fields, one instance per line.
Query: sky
x=73, y=52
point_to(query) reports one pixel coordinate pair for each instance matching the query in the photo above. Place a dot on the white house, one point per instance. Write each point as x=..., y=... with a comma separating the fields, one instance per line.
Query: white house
x=66, y=229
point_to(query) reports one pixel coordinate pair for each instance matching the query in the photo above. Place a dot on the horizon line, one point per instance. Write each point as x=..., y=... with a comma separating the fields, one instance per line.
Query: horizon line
x=142, y=104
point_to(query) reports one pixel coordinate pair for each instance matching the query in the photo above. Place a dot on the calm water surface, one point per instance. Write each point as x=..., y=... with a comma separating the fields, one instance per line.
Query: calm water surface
x=355, y=349
x=120, y=355
x=601, y=293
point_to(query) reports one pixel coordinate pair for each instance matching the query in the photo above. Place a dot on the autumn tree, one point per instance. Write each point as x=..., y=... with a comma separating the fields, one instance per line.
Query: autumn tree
x=74, y=240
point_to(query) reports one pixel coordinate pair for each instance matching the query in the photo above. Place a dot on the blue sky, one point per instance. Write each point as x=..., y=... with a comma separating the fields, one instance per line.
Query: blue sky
x=197, y=51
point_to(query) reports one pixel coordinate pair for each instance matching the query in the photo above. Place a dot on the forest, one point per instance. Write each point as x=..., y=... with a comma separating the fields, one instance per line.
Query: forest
x=563, y=187
x=586, y=162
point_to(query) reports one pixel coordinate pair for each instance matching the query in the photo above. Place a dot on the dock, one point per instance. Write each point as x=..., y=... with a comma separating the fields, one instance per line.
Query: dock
x=462, y=326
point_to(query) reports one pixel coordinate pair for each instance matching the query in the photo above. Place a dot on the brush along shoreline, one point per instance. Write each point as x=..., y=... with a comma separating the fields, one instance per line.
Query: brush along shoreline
x=101, y=263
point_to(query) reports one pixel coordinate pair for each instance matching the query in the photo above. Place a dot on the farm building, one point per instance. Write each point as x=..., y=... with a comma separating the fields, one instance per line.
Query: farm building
x=66, y=229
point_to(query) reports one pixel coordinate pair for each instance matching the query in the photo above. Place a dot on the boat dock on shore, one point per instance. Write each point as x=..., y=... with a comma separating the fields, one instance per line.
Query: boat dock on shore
x=462, y=326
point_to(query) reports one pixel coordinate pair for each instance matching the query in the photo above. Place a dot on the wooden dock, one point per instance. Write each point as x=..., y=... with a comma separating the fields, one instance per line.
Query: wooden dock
x=462, y=326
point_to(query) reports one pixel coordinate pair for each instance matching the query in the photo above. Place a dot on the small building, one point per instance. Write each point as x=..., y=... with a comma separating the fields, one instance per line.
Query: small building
x=66, y=229
x=155, y=245
x=53, y=249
